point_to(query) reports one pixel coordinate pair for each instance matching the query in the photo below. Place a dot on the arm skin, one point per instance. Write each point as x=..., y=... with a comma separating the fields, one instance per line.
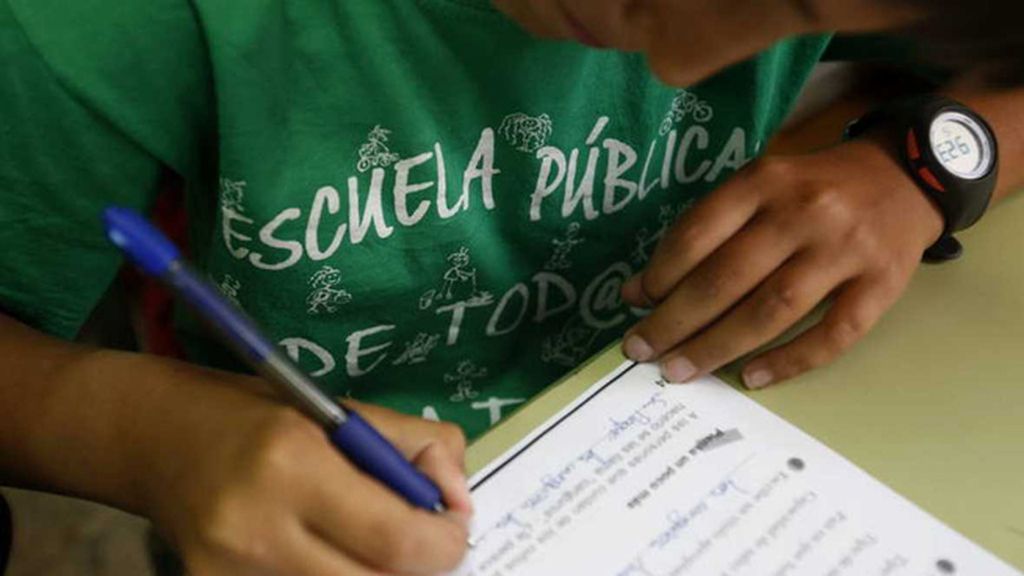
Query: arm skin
x=1004, y=110
x=73, y=423
x=239, y=483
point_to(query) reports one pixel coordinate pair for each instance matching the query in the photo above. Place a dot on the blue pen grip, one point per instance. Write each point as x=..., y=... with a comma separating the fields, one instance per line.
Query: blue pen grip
x=239, y=332
x=373, y=454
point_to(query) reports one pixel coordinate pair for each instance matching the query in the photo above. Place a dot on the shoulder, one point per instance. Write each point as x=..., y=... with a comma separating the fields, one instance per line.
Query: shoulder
x=102, y=36
x=143, y=67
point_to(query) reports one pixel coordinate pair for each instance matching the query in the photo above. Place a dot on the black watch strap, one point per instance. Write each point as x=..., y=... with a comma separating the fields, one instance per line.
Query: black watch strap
x=962, y=201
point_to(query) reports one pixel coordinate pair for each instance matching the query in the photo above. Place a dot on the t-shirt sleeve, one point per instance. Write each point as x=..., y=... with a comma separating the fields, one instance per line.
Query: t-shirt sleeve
x=98, y=99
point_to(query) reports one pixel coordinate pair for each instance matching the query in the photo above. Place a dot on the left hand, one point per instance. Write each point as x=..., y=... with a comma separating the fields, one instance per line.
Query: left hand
x=761, y=252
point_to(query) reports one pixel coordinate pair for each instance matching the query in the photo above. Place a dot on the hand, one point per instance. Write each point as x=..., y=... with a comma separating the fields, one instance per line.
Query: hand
x=761, y=252
x=249, y=486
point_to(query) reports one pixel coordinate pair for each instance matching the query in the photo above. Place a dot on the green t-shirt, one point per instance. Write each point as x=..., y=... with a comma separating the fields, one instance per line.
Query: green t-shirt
x=424, y=206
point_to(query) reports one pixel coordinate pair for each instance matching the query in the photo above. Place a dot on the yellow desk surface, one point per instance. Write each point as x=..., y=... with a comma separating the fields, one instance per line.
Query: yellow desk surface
x=931, y=403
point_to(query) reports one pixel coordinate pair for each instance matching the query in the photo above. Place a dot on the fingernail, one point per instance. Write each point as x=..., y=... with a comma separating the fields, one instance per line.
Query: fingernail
x=757, y=379
x=678, y=370
x=637, y=349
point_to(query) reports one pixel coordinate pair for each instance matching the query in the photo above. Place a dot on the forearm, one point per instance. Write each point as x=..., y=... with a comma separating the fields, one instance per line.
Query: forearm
x=1004, y=111
x=87, y=422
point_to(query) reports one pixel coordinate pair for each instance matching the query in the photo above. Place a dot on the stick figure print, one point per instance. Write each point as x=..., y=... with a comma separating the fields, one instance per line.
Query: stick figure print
x=460, y=279
x=463, y=376
x=570, y=345
x=685, y=103
x=230, y=287
x=647, y=241
x=325, y=295
x=527, y=133
x=418, y=349
x=232, y=192
x=563, y=248
x=375, y=152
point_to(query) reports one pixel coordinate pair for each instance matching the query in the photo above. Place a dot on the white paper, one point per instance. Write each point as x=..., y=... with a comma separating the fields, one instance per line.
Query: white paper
x=640, y=479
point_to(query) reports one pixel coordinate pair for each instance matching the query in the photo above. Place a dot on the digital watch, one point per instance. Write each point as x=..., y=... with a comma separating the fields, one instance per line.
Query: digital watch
x=950, y=152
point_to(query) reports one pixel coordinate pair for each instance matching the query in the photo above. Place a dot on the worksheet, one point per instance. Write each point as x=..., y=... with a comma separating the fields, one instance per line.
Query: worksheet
x=640, y=478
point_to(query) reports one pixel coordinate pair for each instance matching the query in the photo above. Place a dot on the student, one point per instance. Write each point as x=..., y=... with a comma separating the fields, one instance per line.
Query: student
x=429, y=209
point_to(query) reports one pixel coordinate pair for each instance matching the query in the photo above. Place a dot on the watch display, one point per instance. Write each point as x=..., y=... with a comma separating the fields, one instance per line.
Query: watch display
x=961, y=145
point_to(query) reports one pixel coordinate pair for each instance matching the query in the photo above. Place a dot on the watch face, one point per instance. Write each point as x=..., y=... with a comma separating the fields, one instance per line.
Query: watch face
x=962, y=145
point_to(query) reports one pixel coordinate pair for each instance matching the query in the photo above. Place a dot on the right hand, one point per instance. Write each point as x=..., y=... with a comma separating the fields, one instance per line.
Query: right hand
x=250, y=486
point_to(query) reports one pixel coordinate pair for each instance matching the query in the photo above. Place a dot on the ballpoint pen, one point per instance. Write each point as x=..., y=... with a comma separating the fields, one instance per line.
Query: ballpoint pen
x=157, y=256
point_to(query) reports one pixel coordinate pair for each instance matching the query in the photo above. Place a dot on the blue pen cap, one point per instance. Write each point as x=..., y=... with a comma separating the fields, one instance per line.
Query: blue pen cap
x=146, y=246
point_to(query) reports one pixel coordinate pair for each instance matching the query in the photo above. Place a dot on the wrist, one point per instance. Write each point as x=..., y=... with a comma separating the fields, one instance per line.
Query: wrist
x=118, y=428
x=882, y=160
x=114, y=427
x=64, y=421
x=950, y=152
x=176, y=429
x=122, y=399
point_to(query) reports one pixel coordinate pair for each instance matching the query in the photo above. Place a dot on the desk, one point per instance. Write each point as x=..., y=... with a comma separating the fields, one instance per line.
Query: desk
x=931, y=403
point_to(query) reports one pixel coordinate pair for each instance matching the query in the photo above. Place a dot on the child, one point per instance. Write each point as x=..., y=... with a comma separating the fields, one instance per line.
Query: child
x=427, y=208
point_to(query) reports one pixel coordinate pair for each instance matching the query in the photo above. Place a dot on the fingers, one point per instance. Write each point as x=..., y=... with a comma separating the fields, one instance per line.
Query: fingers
x=780, y=302
x=413, y=435
x=393, y=535
x=856, y=309
x=304, y=553
x=438, y=449
x=696, y=236
x=282, y=546
x=439, y=466
x=714, y=287
x=752, y=259
x=357, y=514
